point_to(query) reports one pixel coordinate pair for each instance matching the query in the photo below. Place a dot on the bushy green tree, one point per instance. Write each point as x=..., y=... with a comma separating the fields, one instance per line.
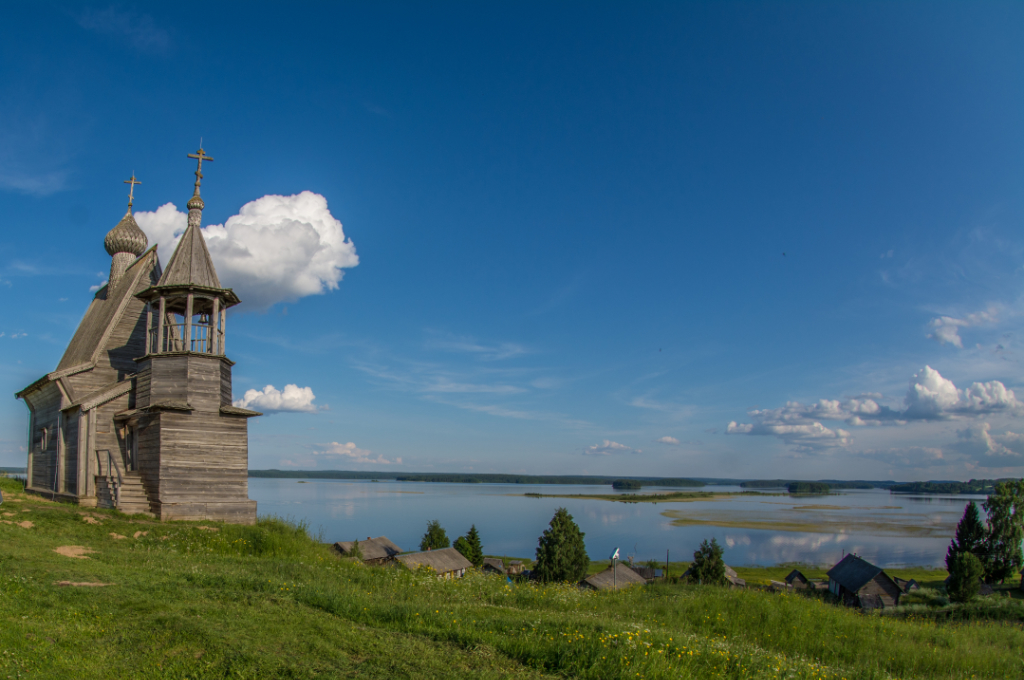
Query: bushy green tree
x=1005, y=508
x=708, y=567
x=970, y=536
x=561, y=554
x=356, y=551
x=965, y=572
x=435, y=537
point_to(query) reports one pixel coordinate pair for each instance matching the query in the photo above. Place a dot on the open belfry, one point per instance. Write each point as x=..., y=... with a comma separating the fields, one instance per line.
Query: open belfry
x=138, y=416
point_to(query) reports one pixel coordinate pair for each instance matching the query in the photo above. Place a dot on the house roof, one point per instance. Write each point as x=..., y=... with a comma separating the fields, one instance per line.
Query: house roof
x=623, y=577
x=795, y=575
x=905, y=585
x=372, y=548
x=853, y=572
x=106, y=310
x=494, y=563
x=442, y=560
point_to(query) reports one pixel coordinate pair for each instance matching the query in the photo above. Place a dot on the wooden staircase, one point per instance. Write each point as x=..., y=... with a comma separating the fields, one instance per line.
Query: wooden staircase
x=131, y=496
x=122, y=490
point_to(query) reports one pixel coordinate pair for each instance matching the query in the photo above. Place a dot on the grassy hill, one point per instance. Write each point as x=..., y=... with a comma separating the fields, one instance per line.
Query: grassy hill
x=205, y=600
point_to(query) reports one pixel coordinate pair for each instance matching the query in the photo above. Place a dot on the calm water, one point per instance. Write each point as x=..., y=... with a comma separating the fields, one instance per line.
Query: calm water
x=887, y=529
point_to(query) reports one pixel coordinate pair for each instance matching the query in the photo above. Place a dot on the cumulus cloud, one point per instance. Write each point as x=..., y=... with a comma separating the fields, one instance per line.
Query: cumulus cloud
x=670, y=441
x=354, y=454
x=929, y=397
x=946, y=329
x=993, y=451
x=276, y=249
x=270, y=399
x=609, y=448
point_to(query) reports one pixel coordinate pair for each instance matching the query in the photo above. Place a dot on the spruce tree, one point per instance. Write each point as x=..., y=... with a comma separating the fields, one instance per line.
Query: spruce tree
x=356, y=552
x=476, y=555
x=1005, y=510
x=469, y=546
x=561, y=554
x=970, y=536
x=965, y=572
x=435, y=537
x=708, y=567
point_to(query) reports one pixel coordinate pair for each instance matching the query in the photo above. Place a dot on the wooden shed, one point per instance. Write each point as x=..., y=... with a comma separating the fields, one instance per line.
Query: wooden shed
x=378, y=550
x=494, y=565
x=905, y=585
x=138, y=415
x=797, y=579
x=516, y=567
x=853, y=577
x=445, y=562
x=622, y=577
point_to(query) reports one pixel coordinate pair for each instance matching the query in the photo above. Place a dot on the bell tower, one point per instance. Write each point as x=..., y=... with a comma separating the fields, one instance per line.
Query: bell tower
x=192, y=444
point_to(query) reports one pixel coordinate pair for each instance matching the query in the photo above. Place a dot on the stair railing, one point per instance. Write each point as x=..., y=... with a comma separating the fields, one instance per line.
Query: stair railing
x=113, y=470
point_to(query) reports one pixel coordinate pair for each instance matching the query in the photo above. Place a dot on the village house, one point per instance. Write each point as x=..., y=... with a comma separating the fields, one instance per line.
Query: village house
x=646, y=573
x=797, y=580
x=516, y=567
x=858, y=583
x=494, y=565
x=906, y=586
x=374, y=551
x=621, y=577
x=445, y=562
x=138, y=415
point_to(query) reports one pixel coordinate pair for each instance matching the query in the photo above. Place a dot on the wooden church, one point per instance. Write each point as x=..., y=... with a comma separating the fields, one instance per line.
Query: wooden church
x=138, y=416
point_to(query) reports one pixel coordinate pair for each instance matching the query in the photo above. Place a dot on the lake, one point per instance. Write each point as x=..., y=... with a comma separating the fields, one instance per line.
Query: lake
x=891, y=530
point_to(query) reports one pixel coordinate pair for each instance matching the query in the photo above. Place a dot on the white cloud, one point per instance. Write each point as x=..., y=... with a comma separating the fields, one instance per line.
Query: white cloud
x=354, y=454
x=929, y=397
x=608, y=448
x=292, y=398
x=452, y=343
x=946, y=329
x=277, y=249
x=93, y=289
x=803, y=437
x=988, y=450
x=671, y=441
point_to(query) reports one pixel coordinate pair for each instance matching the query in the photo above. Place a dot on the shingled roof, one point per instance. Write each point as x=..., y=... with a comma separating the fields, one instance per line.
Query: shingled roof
x=622, y=577
x=106, y=310
x=853, y=572
x=191, y=263
x=442, y=560
x=379, y=548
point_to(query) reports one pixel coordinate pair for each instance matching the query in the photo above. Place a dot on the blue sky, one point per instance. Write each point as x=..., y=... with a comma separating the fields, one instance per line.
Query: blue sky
x=707, y=239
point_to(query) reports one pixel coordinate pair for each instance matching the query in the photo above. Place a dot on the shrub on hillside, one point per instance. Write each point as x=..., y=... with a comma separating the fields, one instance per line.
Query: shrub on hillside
x=708, y=567
x=964, y=577
x=561, y=554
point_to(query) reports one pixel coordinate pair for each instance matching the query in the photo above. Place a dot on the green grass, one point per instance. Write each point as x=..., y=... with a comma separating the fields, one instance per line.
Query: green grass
x=268, y=601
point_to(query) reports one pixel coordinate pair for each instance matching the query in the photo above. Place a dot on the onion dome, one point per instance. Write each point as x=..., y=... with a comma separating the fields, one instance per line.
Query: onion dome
x=126, y=237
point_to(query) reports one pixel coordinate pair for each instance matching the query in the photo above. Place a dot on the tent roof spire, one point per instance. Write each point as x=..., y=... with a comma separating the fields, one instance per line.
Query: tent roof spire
x=191, y=265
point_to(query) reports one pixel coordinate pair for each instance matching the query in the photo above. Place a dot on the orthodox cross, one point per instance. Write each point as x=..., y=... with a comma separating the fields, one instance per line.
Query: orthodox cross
x=131, y=190
x=200, y=156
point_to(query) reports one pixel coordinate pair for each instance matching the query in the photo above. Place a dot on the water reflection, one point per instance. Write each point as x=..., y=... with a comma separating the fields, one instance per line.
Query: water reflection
x=890, y=530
